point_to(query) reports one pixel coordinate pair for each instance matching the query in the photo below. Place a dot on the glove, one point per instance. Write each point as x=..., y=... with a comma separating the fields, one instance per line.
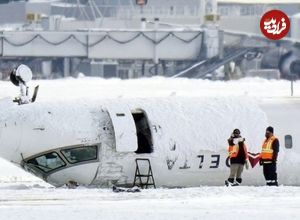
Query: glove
x=238, y=140
x=235, y=141
x=247, y=164
x=260, y=162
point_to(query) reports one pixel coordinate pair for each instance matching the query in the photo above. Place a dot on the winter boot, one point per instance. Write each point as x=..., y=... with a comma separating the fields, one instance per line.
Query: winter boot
x=235, y=183
x=239, y=180
x=273, y=183
x=229, y=182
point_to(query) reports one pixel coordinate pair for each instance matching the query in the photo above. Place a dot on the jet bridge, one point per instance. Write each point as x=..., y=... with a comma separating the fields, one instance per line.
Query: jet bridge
x=171, y=44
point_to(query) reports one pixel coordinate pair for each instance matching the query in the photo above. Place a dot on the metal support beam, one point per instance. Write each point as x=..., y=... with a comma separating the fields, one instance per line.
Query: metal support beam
x=67, y=66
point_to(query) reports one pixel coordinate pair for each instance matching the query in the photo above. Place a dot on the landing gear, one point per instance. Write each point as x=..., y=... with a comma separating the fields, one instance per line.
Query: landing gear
x=20, y=76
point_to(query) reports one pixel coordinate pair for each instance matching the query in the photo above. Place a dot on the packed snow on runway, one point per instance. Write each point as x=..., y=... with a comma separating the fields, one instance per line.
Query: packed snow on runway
x=23, y=196
x=36, y=201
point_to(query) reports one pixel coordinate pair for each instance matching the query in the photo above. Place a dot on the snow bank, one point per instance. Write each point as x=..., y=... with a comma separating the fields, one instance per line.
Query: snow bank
x=13, y=174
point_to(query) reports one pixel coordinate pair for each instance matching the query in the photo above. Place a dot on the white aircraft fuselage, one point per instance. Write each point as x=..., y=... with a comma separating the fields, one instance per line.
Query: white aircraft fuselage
x=96, y=142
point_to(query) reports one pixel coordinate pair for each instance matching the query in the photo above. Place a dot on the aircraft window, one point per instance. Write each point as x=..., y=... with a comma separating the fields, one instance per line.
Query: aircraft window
x=288, y=141
x=47, y=162
x=80, y=154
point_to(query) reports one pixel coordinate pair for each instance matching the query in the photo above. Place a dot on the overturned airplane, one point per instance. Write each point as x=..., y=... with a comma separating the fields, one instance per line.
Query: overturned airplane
x=96, y=142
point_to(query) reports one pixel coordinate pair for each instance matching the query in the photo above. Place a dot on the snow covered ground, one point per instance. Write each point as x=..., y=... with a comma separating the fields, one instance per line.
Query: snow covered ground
x=23, y=196
x=71, y=88
x=34, y=201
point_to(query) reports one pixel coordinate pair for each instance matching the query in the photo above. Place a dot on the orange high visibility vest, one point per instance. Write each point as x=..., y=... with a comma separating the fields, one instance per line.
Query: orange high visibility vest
x=234, y=150
x=267, y=150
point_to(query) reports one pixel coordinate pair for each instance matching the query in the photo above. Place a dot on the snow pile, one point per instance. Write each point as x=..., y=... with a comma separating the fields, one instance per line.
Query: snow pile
x=12, y=174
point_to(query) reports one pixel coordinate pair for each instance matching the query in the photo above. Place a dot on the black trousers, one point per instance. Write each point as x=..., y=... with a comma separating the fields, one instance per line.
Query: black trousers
x=270, y=173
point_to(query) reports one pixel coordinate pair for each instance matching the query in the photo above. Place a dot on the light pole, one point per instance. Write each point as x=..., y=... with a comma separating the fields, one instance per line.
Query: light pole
x=292, y=77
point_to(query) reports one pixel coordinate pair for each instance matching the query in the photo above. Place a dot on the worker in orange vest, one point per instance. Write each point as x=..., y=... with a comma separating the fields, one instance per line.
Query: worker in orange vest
x=238, y=158
x=268, y=157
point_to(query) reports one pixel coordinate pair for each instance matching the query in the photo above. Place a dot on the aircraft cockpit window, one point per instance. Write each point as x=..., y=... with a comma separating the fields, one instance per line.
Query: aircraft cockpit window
x=47, y=162
x=80, y=154
x=288, y=141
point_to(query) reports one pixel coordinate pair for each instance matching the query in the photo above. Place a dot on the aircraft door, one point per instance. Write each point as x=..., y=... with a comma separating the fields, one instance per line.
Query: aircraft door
x=124, y=128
